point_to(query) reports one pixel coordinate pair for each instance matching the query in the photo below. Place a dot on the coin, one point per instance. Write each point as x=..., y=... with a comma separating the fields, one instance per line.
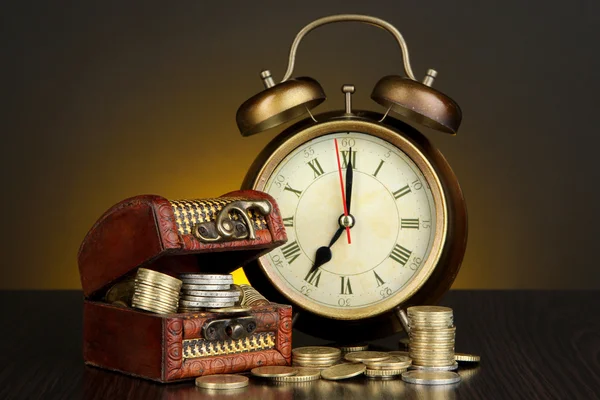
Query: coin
x=303, y=375
x=450, y=367
x=209, y=277
x=207, y=304
x=416, y=310
x=431, y=377
x=273, y=371
x=360, y=356
x=150, y=276
x=223, y=381
x=404, y=343
x=212, y=299
x=120, y=291
x=315, y=352
x=230, y=310
x=348, y=348
x=343, y=371
x=391, y=363
x=189, y=286
x=399, y=353
x=213, y=293
x=384, y=372
x=464, y=357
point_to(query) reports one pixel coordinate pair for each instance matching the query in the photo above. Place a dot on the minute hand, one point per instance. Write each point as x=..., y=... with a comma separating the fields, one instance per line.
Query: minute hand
x=349, y=178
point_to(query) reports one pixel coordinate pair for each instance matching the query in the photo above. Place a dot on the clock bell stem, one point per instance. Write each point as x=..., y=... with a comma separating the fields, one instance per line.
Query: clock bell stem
x=337, y=153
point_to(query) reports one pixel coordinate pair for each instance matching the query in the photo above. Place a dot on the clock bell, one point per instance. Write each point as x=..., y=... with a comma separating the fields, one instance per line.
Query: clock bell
x=282, y=102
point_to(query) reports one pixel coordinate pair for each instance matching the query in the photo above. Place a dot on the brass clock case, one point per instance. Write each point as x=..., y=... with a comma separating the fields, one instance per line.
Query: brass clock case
x=446, y=255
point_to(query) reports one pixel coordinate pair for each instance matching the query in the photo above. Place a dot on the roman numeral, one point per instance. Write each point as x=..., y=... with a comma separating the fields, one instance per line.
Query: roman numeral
x=290, y=189
x=400, y=254
x=409, y=223
x=291, y=251
x=316, y=167
x=401, y=192
x=378, y=168
x=313, y=277
x=288, y=222
x=378, y=279
x=346, y=288
x=348, y=155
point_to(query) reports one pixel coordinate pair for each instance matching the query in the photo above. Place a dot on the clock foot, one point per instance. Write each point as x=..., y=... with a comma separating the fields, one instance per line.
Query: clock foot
x=401, y=314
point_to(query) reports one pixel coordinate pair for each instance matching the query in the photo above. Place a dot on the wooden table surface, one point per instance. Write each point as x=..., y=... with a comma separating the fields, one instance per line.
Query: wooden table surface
x=533, y=344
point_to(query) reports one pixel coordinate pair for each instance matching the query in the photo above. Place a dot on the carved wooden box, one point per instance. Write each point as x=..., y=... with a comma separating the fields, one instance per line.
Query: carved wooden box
x=176, y=237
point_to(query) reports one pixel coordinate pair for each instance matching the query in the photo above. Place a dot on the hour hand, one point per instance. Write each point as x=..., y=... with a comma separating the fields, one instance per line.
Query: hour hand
x=323, y=254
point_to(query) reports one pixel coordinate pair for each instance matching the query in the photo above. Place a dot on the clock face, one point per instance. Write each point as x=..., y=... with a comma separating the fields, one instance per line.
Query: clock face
x=394, y=242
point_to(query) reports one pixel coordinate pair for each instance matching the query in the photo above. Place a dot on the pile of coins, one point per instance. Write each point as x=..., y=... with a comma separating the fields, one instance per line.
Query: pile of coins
x=200, y=291
x=432, y=336
x=155, y=292
x=319, y=357
x=388, y=368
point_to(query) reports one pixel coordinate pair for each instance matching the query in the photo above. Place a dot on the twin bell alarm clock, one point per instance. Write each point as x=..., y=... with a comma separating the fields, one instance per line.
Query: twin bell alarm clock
x=375, y=217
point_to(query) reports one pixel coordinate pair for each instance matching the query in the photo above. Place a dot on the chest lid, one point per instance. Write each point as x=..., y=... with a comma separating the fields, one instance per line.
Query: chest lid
x=215, y=235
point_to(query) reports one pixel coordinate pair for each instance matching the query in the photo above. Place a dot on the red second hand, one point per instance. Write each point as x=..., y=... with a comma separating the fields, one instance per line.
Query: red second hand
x=337, y=153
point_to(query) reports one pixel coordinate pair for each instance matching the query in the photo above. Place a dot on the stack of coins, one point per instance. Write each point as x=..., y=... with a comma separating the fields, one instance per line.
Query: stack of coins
x=319, y=357
x=432, y=335
x=251, y=297
x=388, y=368
x=155, y=292
x=200, y=291
x=349, y=348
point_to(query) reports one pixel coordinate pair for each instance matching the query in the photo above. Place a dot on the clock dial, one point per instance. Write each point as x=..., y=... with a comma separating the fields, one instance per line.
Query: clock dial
x=394, y=229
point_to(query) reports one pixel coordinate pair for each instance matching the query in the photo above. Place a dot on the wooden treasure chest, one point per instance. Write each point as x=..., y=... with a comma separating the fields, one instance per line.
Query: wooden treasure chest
x=207, y=236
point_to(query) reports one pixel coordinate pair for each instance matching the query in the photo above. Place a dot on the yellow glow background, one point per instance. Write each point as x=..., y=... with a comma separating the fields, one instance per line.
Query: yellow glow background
x=107, y=101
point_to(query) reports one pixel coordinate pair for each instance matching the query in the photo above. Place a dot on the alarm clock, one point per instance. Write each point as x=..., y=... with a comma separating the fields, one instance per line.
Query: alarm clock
x=375, y=217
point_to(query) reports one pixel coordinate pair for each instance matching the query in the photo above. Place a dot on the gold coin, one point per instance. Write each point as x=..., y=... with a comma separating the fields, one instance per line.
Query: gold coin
x=361, y=356
x=384, y=372
x=148, y=276
x=273, y=371
x=315, y=352
x=399, y=353
x=464, y=357
x=223, y=381
x=431, y=377
x=343, y=371
x=391, y=363
x=303, y=375
x=353, y=347
x=448, y=367
x=418, y=310
x=120, y=291
x=316, y=362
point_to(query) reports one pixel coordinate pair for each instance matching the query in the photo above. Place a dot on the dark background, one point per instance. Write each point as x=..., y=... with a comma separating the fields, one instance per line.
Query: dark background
x=102, y=100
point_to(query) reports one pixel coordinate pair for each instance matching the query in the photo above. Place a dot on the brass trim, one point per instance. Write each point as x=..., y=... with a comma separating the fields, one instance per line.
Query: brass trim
x=199, y=348
x=267, y=165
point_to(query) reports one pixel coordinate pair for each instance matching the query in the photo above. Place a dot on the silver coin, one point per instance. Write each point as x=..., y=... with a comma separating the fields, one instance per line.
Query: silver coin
x=207, y=281
x=208, y=304
x=212, y=293
x=211, y=299
x=431, y=377
x=187, y=287
x=205, y=276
